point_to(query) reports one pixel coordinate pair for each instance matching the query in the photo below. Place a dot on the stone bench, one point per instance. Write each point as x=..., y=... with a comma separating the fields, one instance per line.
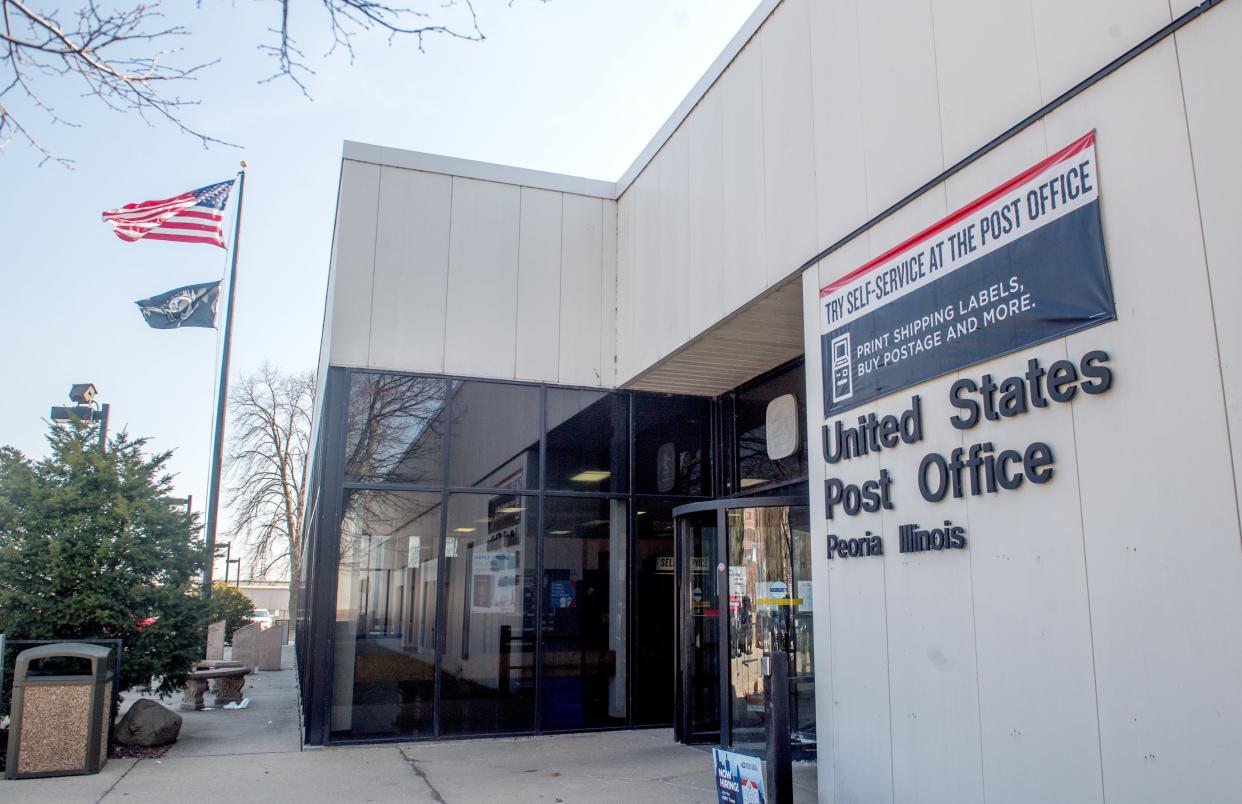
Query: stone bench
x=230, y=682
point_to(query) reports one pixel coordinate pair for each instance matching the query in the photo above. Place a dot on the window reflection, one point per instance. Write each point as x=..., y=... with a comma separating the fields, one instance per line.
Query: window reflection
x=407, y=562
x=653, y=640
x=588, y=441
x=395, y=428
x=584, y=613
x=384, y=676
x=487, y=670
x=672, y=436
x=771, y=608
x=495, y=441
x=755, y=467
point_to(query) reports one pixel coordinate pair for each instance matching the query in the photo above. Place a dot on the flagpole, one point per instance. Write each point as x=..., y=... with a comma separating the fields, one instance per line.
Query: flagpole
x=217, y=457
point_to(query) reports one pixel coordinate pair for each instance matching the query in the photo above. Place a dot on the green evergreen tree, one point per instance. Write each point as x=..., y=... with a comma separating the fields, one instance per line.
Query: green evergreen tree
x=91, y=546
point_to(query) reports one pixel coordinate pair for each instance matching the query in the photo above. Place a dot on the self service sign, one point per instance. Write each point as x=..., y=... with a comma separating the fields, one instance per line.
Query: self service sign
x=1021, y=265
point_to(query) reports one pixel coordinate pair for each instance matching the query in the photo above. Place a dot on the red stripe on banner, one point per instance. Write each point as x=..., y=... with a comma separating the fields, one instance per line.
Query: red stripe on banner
x=186, y=239
x=151, y=206
x=200, y=227
x=145, y=204
x=194, y=213
x=137, y=228
x=154, y=220
x=153, y=215
x=1076, y=147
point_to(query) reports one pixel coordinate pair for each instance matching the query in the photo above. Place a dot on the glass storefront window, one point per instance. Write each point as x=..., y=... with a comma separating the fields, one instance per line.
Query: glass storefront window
x=384, y=668
x=654, y=639
x=487, y=683
x=495, y=441
x=543, y=590
x=588, y=441
x=756, y=467
x=395, y=429
x=672, y=445
x=584, y=613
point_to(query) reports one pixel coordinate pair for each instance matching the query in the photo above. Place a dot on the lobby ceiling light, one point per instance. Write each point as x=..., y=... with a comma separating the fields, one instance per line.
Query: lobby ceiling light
x=510, y=510
x=747, y=482
x=463, y=530
x=591, y=476
x=559, y=532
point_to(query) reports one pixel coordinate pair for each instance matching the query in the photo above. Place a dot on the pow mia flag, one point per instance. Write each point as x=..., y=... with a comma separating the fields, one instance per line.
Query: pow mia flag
x=190, y=306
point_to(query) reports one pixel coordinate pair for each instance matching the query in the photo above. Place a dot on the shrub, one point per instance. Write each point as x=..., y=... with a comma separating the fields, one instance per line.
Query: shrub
x=91, y=546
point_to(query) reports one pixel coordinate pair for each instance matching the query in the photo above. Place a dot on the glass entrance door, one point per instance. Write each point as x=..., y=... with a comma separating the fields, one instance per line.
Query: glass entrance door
x=744, y=590
x=770, y=610
x=701, y=628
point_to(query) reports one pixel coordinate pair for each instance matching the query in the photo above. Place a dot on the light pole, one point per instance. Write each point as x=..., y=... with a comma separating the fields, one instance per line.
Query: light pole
x=237, y=578
x=83, y=395
x=228, y=553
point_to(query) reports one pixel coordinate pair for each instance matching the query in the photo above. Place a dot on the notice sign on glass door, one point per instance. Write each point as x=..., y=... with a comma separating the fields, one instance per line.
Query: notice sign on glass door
x=1020, y=265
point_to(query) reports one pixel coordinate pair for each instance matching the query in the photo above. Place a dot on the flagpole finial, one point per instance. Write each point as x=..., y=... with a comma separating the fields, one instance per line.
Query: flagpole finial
x=244, y=165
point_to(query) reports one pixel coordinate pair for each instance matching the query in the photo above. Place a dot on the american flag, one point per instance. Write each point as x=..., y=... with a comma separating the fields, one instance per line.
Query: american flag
x=193, y=217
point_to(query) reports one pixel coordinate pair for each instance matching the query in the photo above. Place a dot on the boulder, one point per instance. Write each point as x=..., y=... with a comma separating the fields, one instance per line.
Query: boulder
x=148, y=723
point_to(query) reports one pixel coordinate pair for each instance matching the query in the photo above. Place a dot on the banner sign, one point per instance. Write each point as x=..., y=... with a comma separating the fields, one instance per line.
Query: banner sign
x=1021, y=265
x=739, y=778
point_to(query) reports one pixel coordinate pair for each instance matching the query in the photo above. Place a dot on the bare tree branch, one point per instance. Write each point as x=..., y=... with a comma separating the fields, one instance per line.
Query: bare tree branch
x=115, y=56
x=120, y=55
x=267, y=466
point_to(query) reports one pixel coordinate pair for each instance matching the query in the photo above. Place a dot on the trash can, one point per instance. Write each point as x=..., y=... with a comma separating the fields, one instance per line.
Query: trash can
x=59, y=724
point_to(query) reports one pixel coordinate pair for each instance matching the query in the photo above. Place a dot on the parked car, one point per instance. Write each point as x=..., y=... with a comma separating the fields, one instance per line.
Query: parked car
x=263, y=617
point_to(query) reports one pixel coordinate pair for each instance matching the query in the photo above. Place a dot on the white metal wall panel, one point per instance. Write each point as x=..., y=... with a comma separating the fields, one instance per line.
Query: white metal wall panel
x=856, y=616
x=1211, y=67
x=353, y=267
x=668, y=308
x=539, y=286
x=411, y=271
x=788, y=141
x=705, y=305
x=581, y=290
x=1029, y=577
x=1074, y=39
x=900, y=110
x=644, y=349
x=626, y=271
x=987, y=69
x=482, y=287
x=608, y=296
x=932, y=668
x=1157, y=492
x=840, y=152
x=741, y=88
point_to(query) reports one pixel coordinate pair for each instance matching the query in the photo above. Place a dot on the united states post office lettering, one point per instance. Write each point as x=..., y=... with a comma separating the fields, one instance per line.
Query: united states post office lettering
x=981, y=468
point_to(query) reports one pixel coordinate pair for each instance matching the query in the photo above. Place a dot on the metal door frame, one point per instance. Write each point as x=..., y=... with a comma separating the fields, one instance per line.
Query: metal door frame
x=721, y=508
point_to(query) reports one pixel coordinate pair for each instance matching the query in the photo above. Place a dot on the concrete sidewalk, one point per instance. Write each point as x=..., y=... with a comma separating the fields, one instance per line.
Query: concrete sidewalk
x=255, y=755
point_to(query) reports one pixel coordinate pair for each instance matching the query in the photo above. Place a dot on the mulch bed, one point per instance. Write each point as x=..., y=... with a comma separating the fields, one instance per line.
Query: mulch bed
x=118, y=751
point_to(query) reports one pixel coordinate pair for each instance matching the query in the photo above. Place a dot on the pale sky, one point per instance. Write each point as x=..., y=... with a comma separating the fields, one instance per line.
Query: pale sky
x=568, y=86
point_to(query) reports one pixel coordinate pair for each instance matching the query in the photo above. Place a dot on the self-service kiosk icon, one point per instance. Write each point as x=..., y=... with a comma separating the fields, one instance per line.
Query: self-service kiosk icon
x=842, y=383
